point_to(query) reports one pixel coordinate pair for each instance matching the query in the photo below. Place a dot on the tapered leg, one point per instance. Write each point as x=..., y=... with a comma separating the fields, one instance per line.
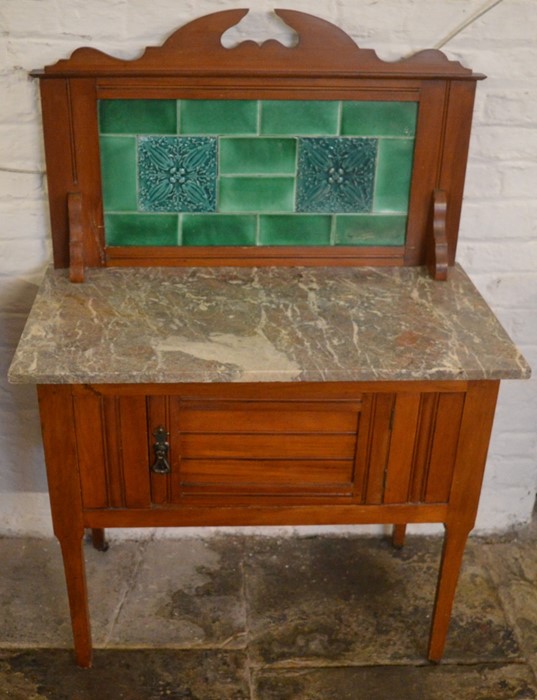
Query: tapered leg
x=398, y=536
x=450, y=566
x=98, y=539
x=75, y=577
x=57, y=423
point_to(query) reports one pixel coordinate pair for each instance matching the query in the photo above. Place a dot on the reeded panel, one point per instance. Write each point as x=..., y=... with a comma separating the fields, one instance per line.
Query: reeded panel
x=408, y=446
x=113, y=451
x=256, y=172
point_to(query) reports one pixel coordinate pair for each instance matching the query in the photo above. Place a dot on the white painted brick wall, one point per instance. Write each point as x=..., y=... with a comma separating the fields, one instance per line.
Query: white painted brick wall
x=498, y=237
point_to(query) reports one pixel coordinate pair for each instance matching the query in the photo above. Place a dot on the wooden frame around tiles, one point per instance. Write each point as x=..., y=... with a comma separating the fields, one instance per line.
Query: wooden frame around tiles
x=430, y=424
x=193, y=64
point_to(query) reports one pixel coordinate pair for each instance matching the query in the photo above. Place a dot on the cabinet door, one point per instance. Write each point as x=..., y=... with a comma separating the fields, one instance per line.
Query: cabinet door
x=263, y=447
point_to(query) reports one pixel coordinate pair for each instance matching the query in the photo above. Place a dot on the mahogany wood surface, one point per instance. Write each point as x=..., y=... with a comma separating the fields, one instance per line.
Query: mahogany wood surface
x=271, y=453
x=437, y=247
x=326, y=64
x=59, y=442
x=197, y=47
x=251, y=455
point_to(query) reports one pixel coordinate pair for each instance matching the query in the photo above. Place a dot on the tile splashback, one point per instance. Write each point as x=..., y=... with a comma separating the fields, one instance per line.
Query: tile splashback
x=256, y=172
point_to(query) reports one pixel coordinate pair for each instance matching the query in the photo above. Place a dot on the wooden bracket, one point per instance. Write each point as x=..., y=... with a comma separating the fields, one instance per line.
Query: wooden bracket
x=76, y=237
x=437, y=246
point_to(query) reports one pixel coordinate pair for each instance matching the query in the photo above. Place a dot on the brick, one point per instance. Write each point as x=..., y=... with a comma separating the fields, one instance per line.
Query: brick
x=18, y=90
x=483, y=181
x=108, y=22
x=26, y=255
x=30, y=17
x=20, y=186
x=28, y=221
x=514, y=444
x=384, y=25
x=519, y=180
x=511, y=143
x=499, y=256
x=517, y=107
x=506, y=25
x=506, y=221
x=507, y=289
x=500, y=62
x=260, y=26
x=21, y=147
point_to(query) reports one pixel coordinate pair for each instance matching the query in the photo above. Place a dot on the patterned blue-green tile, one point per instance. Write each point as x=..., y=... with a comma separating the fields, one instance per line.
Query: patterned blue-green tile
x=370, y=230
x=394, y=173
x=138, y=116
x=256, y=194
x=335, y=174
x=118, y=172
x=299, y=117
x=378, y=118
x=218, y=117
x=263, y=156
x=141, y=229
x=219, y=229
x=294, y=229
x=177, y=173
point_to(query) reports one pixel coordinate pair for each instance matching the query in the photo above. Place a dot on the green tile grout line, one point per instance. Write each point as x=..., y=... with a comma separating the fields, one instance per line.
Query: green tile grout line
x=264, y=132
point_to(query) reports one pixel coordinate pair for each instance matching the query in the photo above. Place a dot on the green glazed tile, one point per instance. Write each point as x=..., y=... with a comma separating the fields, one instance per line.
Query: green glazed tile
x=138, y=116
x=118, y=172
x=294, y=229
x=177, y=173
x=263, y=156
x=219, y=229
x=378, y=118
x=256, y=194
x=394, y=173
x=367, y=229
x=335, y=174
x=141, y=229
x=299, y=117
x=218, y=117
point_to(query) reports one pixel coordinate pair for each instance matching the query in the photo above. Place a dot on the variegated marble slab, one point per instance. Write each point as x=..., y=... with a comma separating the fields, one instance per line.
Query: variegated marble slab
x=261, y=325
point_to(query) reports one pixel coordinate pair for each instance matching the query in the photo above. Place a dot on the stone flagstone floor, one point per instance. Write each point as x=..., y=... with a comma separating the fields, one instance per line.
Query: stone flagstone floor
x=271, y=618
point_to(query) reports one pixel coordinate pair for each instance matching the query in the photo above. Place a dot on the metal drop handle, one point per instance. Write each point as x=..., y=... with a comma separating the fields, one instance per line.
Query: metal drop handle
x=161, y=447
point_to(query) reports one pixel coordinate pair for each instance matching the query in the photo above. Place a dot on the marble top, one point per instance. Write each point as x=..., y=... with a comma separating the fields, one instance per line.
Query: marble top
x=138, y=325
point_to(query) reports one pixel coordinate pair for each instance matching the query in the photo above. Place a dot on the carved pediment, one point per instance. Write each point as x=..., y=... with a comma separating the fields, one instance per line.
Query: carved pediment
x=196, y=48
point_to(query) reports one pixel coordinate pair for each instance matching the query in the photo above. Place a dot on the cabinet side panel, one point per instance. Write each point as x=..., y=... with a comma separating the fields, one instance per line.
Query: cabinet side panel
x=134, y=449
x=377, y=439
x=116, y=486
x=402, y=447
x=444, y=447
x=91, y=450
x=424, y=441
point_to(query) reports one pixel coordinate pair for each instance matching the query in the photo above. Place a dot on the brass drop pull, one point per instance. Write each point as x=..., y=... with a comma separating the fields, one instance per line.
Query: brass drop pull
x=161, y=447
